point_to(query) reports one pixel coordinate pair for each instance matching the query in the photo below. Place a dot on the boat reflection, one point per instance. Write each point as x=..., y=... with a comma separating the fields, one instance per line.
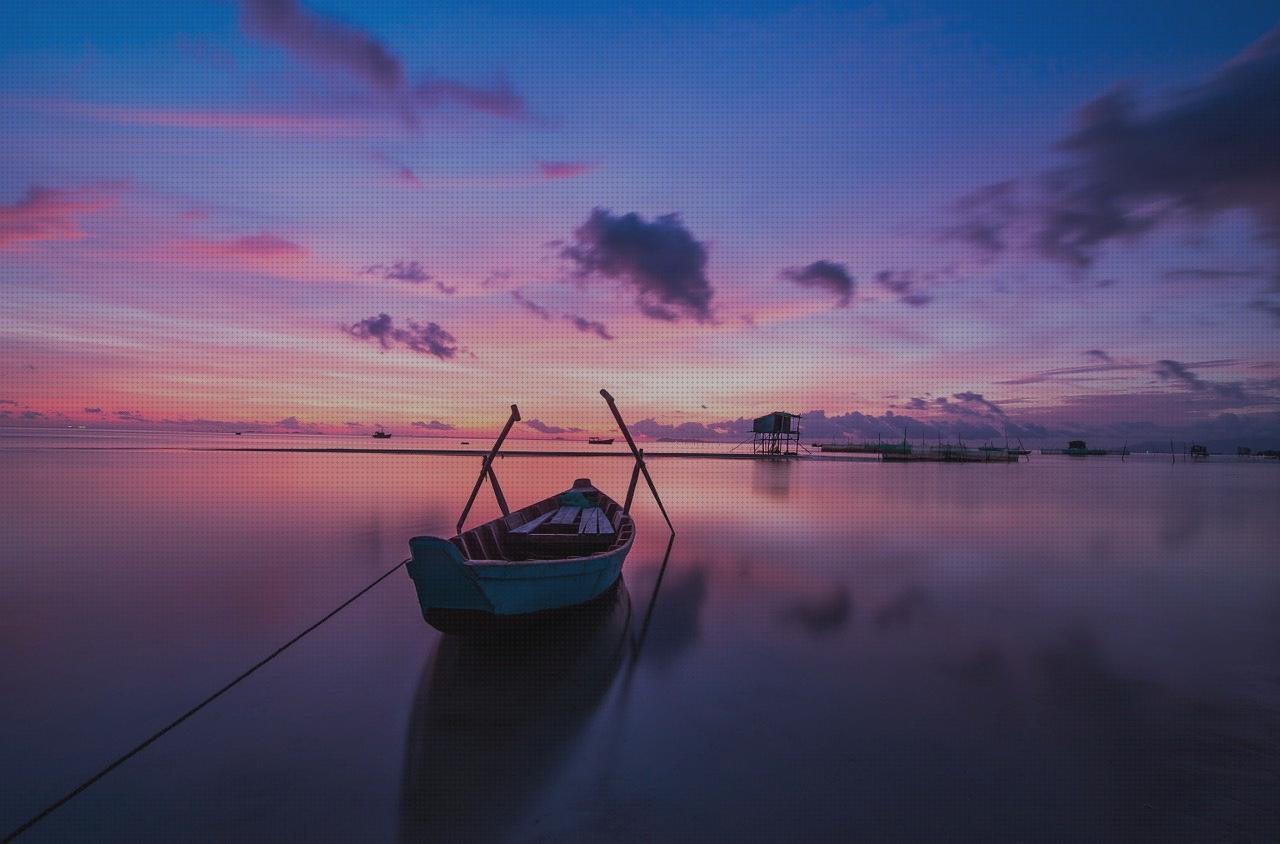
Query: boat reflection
x=495, y=718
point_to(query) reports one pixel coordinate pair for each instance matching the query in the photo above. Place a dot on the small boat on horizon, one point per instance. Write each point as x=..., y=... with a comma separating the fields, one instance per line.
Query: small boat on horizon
x=381, y=434
x=600, y=440
x=527, y=565
x=1077, y=448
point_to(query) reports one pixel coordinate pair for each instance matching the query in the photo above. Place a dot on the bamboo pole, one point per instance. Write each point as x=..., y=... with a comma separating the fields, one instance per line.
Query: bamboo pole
x=622, y=426
x=486, y=470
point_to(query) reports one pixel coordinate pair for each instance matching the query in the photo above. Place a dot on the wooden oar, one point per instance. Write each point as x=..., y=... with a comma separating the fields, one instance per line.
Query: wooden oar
x=486, y=470
x=622, y=426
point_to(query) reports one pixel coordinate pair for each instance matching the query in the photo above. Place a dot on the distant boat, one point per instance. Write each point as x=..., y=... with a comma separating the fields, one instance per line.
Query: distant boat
x=600, y=440
x=466, y=442
x=238, y=434
x=1199, y=452
x=381, y=434
x=524, y=566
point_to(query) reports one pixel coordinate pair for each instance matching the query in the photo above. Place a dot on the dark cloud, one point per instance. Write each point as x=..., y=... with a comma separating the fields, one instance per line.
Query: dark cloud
x=32, y=414
x=903, y=284
x=589, y=326
x=429, y=339
x=530, y=306
x=1272, y=309
x=324, y=42
x=94, y=410
x=660, y=259
x=433, y=425
x=1099, y=355
x=824, y=275
x=1175, y=372
x=130, y=416
x=543, y=427
x=408, y=271
x=1213, y=148
x=9, y=401
x=979, y=400
x=343, y=49
x=290, y=422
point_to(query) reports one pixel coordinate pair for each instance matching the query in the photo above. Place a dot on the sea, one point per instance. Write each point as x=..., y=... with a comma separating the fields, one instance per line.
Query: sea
x=847, y=649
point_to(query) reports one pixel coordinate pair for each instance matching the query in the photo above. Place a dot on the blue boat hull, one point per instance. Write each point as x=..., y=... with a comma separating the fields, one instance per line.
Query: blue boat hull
x=457, y=593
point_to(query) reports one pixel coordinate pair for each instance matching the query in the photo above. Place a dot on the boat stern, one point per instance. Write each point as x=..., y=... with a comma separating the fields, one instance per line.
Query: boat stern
x=442, y=578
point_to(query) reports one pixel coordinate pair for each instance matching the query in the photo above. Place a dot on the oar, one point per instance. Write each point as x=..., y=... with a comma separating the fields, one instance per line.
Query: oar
x=622, y=426
x=487, y=470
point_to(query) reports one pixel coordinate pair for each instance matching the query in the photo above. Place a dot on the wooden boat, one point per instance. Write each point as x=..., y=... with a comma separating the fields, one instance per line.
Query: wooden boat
x=527, y=565
x=600, y=440
x=547, y=556
x=381, y=434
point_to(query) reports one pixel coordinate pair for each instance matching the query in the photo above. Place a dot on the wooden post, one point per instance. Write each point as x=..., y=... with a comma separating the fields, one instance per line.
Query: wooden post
x=486, y=470
x=622, y=426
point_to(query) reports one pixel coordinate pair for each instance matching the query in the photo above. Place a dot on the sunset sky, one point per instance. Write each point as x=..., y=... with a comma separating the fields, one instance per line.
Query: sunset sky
x=323, y=216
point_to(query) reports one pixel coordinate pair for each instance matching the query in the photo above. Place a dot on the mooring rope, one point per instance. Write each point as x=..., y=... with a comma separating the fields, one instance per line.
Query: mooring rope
x=57, y=804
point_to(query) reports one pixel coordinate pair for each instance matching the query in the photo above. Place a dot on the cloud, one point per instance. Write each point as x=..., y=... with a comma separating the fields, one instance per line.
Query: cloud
x=9, y=401
x=290, y=422
x=1272, y=309
x=530, y=306
x=824, y=275
x=429, y=339
x=46, y=214
x=543, y=427
x=590, y=327
x=401, y=174
x=902, y=283
x=93, y=410
x=1211, y=149
x=262, y=246
x=32, y=415
x=660, y=259
x=1173, y=371
x=433, y=425
x=408, y=271
x=563, y=169
x=1099, y=355
x=979, y=400
x=360, y=56
x=324, y=42
x=130, y=416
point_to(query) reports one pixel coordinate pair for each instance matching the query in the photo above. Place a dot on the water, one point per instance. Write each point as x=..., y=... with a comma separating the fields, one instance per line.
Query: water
x=838, y=649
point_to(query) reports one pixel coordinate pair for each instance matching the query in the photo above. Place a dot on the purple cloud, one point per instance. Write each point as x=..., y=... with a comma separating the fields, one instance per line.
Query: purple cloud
x=824, y=275
x=407, y=271
x=1130, y=170
x=429, y=339
x=433, y=425
x=660, y=259
x=335, y=46
x=543, y=427
x=589, y=326
x=530, y=306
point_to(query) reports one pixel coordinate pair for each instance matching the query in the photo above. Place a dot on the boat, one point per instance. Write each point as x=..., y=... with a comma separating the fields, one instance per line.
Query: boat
x=1199, y=452
x=381, y=434
x=600, y=440
x=527, y=565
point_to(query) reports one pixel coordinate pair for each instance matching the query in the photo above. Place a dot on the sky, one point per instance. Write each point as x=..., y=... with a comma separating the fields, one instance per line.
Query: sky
x=959, y=219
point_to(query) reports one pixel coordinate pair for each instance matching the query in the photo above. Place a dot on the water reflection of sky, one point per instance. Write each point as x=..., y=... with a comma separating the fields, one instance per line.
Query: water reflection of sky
x=1085, y=648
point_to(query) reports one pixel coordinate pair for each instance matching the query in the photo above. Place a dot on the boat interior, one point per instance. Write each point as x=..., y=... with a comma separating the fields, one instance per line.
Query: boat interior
x=578, y=523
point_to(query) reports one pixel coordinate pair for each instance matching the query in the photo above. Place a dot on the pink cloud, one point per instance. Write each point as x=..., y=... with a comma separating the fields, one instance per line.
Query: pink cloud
x=563, y=169
x=204, y=119
x=52, y=213
x=253, y=247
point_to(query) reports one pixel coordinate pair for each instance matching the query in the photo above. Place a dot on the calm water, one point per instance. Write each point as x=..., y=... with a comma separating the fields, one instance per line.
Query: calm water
x=1060, y=648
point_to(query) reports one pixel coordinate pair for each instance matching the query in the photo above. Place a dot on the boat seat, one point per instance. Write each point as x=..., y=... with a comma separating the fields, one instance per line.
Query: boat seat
x=595, y=521
x=565, y=515
x=530, y=526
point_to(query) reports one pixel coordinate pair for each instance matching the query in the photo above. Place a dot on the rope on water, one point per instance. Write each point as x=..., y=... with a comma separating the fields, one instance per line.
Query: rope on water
x=57, y=804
